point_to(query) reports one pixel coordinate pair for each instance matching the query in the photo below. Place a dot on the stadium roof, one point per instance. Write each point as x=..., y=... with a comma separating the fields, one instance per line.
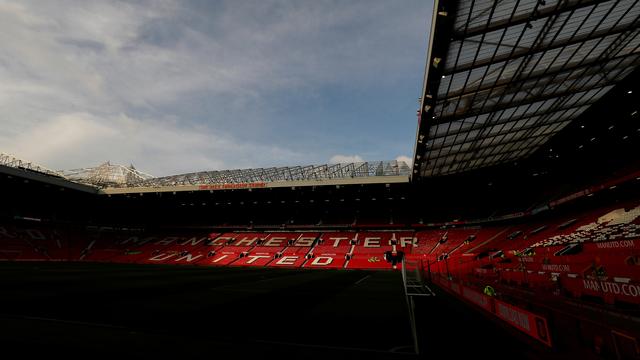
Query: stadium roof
x=17, y=163
x=107, y=175
x=117, y=179
x=11, y=166
x=311, y=175
x=503, y=77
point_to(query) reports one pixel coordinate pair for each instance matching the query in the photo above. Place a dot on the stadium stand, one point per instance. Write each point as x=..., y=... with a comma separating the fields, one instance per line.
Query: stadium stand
x=590, y=256
x=604, y=238
x=544, y=264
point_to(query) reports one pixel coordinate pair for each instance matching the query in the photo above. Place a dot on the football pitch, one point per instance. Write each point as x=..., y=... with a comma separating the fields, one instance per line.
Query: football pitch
x=120, y=310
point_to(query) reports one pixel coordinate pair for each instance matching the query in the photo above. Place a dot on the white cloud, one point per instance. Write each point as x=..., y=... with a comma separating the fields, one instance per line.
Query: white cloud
x=158, y=147
x=341, y=159
x=406, y=159
x=72, y=77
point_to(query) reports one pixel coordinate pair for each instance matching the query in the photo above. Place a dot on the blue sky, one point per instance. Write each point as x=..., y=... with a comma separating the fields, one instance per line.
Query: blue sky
x=179, y=86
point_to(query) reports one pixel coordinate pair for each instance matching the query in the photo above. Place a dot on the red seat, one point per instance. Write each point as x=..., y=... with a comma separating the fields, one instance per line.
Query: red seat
x=294, y=255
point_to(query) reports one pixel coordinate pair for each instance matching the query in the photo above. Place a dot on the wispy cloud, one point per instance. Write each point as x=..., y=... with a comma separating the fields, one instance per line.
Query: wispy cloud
x=176, y=86
x=339, y=159
x=406, y=159
x=162, y=147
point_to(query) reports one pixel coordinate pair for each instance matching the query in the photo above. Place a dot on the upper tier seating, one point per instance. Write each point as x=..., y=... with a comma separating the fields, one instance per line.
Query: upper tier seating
x=615, y=224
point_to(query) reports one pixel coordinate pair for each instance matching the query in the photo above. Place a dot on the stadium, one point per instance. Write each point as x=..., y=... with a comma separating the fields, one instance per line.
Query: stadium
x=514, y=232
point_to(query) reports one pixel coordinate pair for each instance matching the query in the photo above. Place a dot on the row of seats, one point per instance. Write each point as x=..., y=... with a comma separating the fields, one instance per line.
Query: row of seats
x=616, y=224
x=502, y=249
x=595, y=257
x=352, y=250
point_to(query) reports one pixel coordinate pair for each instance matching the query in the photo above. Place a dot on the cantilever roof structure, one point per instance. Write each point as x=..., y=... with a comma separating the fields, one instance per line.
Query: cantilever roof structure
x=117, y=179
x=107, y=175
x=14, y=162
x=11, y=166
x=286, y=173
x=379, y=172
x=289, y=176
x=504, y=76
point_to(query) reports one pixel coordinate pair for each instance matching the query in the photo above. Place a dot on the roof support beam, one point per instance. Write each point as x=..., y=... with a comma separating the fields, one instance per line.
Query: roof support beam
x=524, y=18
x=479, y=161
x=478, y=126
x=491, y=146
x=540, y=49
x=526, y=101
x=510, y=130
x=602, y=65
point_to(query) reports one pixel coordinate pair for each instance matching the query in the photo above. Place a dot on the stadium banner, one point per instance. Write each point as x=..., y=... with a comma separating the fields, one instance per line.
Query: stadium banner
x=252, y=185
x=568, y=198
x=608, y=290
x=525, y=321
x=623, y=244
x=476, y=222
x=477, y=298
x=606, y=185
x=539, y=209
x=529, y=323
x=455, y=287
x=560, y=268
